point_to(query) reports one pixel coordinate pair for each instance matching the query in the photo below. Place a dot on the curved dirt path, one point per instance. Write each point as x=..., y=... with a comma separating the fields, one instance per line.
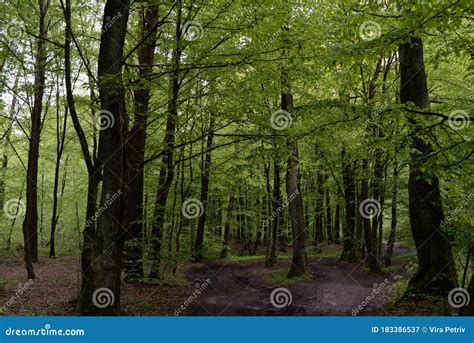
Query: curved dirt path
x=336, y=288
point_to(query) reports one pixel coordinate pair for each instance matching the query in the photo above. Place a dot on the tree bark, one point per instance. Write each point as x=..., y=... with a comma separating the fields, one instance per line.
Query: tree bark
x=329, y=229
x=198, y=253
x=30, y=223
x=227, y=226
x=348, y=252
x=337, y=222
x=295, y=200
x=276, y=217
x=393, y=226
x=370, y=231
x=60, y=141
x=135, y=149
x=108, y=239
x=436, y=268
x=7, y=143
x=319, y=210
x=167, y=169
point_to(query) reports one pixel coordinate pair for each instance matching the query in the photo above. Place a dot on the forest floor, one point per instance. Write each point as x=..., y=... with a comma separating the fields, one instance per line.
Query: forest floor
x=225, y=288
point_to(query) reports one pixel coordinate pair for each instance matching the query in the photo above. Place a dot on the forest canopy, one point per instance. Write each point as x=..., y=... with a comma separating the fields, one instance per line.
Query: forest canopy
x=141, y=138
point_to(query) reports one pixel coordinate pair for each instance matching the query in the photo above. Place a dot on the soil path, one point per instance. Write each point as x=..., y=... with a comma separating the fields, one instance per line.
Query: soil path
x=335, y=289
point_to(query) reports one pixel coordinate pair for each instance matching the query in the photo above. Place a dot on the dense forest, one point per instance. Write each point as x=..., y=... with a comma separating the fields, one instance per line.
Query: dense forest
x=236, y=157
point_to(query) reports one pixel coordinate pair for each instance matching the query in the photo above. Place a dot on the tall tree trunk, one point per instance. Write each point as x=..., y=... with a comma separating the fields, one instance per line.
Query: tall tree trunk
x=319, y=210
x=30, y=223
x=198, y=253
x=348, y=252
x=7, y=143
x=167, y=164
x=370, y=237
x=393, y=226
x=135, y=148
x=92, y=165
x=329, y=229
x=108, y=240
x=436, y=268
x=60, y=141
x=275, y=217
x=228, y=223
x=295, y=200
x=258, y=226
x=337, y=221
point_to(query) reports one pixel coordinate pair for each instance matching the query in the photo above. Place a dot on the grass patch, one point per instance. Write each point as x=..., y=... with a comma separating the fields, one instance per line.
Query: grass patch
x=278, y=277
x=246, y=258
x=175, y=280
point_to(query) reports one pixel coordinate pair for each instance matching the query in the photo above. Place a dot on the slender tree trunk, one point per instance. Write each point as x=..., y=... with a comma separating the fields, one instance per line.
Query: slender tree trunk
x=393, y=226
x=266, y=222
x=227, y=226
x=30, y=223
x=93, y=166
x=295, y=200
x=167, y=169
x=369, y=239
x=337, y=222
x=7, y=143
x=319, y=210
x=329, y=229
x=198, y=253
x=436, y=267
x=60, y=141
x=348, y=252
x=275, y=217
